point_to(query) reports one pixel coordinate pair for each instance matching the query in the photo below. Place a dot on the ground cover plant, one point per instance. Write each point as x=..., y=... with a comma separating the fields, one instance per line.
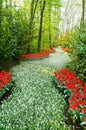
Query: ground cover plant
x=34, y=103
x=75, y=90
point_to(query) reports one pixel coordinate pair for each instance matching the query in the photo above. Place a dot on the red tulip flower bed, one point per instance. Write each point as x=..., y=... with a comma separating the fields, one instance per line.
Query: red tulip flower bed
x=5, y=82
x=33, y=55
x=39, y=55
x=77, y=100
x=50, y=50
x=67, y=49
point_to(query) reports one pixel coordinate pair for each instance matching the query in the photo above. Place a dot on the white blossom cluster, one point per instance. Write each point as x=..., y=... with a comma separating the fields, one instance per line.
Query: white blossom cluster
x=35, y=104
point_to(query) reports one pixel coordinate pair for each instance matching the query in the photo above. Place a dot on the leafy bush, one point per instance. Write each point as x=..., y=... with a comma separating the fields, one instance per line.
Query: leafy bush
x=78, y=64
x=66, y=39
x=12, y=36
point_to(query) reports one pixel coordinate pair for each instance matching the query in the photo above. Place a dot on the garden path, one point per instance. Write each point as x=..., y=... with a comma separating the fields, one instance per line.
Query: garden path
x=58, y=60
x=35, y=104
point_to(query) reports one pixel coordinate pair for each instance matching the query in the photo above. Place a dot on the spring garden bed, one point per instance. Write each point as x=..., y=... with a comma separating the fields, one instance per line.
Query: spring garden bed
x=67, y=49
x=34, y=103
x=39, y=55
x=6, y=84
x=75, y=92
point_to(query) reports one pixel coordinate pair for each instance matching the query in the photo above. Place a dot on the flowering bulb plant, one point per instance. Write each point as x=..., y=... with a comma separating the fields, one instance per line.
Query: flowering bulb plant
x=5, y=82
x=77, y=100
x=50, y=50
x=33, y=55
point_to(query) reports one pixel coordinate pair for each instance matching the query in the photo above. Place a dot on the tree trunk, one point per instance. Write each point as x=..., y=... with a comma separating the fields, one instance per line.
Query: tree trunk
x=0, y=12
x=31, y=23
x=40, y=29
x=50, y=25
x=6, y=3
x=83, y=14
x=83, y=9
x=10, y=1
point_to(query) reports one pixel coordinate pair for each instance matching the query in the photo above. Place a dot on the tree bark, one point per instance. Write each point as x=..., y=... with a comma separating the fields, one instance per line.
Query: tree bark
x=1, y=17
x=10, y=1
x=83, y=9
x=40, y=29
x=31, y=23
x=6, y=3
x=50, y=25
x=83, y=14
x=0, y=12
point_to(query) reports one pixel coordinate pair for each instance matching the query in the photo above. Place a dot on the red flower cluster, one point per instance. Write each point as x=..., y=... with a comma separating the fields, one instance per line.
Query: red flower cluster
x=5, y=77
x=78, y=89
x=67, y=49
x=37, y=55
x=50, y=50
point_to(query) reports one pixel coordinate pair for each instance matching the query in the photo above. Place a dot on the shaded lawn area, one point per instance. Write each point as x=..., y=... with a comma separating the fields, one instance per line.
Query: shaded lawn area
x=35, y=104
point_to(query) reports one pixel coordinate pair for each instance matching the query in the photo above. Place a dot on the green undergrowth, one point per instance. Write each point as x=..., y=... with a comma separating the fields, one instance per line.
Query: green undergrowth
x=35, y=104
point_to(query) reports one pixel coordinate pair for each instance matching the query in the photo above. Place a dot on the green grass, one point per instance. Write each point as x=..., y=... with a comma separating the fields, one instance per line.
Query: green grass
x=35, y=104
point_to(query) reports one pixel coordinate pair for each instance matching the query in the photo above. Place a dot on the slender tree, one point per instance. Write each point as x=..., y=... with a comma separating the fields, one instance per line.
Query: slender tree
x=31, y=22
x=10, y=2
x=83, y=13
x=0, y=12
x=50, y=9
x=6, y=3
x=40, y=28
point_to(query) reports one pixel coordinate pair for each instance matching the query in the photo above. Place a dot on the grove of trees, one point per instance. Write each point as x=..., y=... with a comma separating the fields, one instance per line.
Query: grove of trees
x=28, y=26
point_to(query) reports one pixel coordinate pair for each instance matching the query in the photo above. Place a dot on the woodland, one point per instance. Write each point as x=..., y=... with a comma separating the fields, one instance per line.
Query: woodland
x=42, y=64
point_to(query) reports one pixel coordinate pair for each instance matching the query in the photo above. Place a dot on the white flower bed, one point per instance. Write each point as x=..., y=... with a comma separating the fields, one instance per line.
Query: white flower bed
x=35, y=104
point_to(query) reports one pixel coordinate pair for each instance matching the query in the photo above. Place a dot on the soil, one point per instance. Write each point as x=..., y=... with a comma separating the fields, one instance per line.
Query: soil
x=8, y=64
x=69, y=122
x=6, y=95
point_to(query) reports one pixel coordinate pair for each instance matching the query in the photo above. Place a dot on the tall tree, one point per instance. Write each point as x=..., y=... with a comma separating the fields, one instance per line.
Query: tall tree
x=50, y=9
x=0, y=12
x=31, y=22
x=10, y=2
x=40, y=28
x=83, y=13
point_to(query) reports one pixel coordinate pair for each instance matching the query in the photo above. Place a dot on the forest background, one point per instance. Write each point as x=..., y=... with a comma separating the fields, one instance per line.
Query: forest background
x=31, y=26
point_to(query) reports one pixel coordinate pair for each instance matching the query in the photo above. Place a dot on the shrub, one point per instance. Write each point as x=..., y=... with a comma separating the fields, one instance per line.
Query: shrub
x=78, y=64
x=66, y=39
